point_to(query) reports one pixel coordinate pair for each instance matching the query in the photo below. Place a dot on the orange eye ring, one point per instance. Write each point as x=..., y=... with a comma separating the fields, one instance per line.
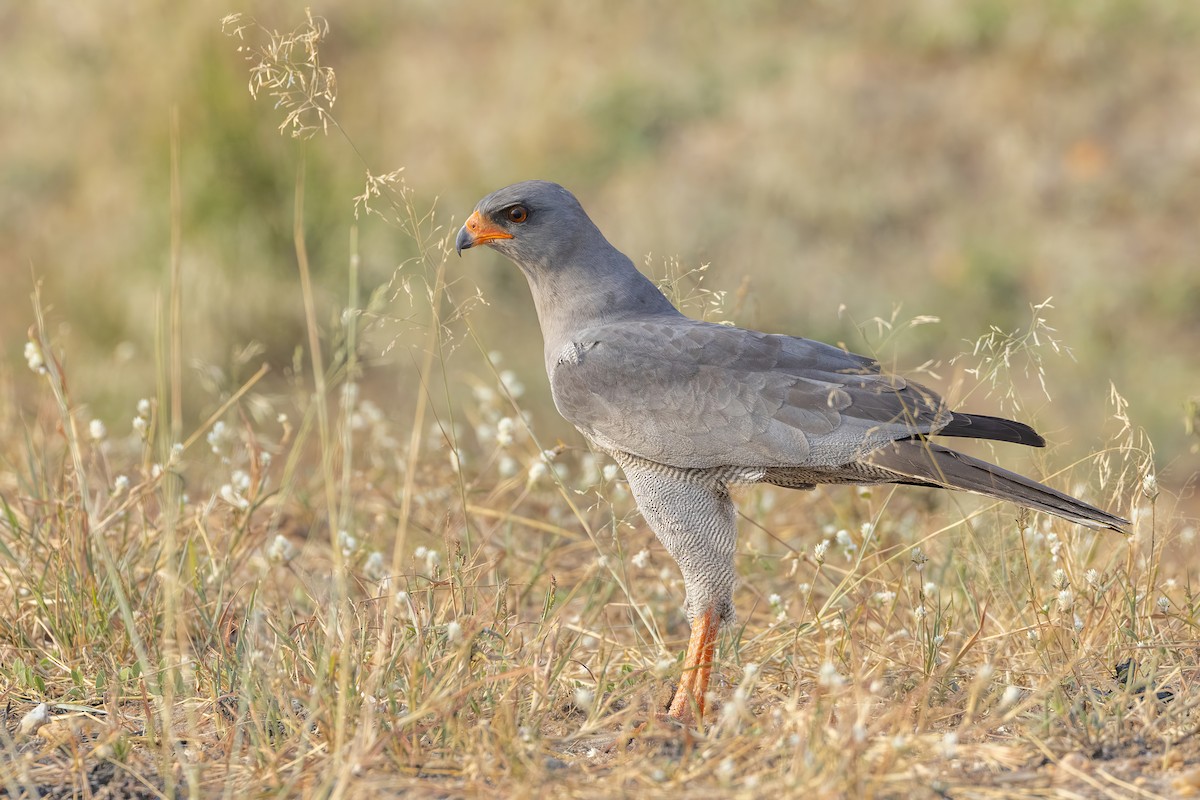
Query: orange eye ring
x=517, y=214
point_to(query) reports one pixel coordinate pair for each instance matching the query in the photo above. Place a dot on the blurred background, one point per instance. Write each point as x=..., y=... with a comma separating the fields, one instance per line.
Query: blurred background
x=830, y=161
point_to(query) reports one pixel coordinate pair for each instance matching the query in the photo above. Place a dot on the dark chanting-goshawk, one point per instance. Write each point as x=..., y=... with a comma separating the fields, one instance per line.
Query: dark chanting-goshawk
x=690, y=408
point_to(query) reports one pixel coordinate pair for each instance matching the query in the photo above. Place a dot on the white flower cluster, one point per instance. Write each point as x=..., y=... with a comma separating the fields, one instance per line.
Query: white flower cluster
x=281, y=550
x=141, y=420
x=219, y=439
x=848, y=545
x=234, y=492
x=34, y=358
x=919, y=559
x=374, y=567
x=431, y=557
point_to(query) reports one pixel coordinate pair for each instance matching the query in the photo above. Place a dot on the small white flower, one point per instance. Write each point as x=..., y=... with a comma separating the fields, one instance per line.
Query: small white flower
x=240, y=480
x=884, y=598
x=504, y=431
x=484, y=395
x=143, y=408
x=506, y=466
x=485, y=433
x=867, y=529
x=1056, y=546
x=583, y=698
x=454, y=632
x=829, y=676
x=140, y=426
x=929, y=588
x=281, y=549
x=34, y=358
x=97, y=431
x=432, y=559
x=775, y=601
x=1150, y=486
x=846, y=543
x=919, y=559
x=232, y=497
x=819, y=552
x=120, y=484
x=641, y=559
x=374, y=567
x=609, y=472
x=1011, y=695
x=347, y=543
x=1164, y=604
x=217, y=438
x=921, y=612
x=537, y=471
x=512, y=383
x=1066, y=600
x=1093, y=578
x=1059, y=580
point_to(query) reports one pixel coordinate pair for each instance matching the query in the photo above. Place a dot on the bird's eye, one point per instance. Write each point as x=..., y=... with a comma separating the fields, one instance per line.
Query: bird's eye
x=517, y=214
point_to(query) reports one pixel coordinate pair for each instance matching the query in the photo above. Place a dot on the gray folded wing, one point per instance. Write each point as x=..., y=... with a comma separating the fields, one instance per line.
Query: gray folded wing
x=697, y=395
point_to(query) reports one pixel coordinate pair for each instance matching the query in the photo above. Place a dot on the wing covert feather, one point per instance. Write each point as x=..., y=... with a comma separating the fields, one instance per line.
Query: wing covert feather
x=695, y=394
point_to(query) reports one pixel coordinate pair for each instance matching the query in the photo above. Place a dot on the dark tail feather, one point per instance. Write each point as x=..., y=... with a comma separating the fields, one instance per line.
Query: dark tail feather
x=978, y=426
x=934, y=464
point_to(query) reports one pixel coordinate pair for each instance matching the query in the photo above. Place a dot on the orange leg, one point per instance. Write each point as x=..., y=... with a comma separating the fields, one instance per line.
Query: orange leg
x=697, y=668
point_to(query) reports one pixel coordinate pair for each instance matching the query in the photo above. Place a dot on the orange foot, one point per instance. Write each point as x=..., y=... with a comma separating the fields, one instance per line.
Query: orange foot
x=687, y=706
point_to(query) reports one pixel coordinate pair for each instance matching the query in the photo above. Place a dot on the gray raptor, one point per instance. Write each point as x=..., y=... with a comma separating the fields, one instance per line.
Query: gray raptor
x=689, y=408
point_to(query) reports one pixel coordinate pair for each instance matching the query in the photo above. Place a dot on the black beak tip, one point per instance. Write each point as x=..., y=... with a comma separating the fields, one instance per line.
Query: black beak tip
x=464, y=241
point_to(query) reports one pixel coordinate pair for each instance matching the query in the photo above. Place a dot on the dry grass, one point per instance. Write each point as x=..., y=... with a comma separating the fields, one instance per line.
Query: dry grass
x=306, y=591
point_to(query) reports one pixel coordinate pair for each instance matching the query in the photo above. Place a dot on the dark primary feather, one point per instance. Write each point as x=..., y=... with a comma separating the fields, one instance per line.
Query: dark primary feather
x=933, y=464
x=978, y=426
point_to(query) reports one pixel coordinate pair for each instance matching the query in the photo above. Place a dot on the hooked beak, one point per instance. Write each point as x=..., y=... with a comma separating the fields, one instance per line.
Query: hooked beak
x=478, y=231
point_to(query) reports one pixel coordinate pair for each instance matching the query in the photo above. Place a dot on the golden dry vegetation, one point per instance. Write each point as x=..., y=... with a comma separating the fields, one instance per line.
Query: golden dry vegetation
x=285, y=509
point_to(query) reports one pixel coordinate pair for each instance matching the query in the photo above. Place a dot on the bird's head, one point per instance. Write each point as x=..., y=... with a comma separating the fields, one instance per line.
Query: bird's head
x=534, y=223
